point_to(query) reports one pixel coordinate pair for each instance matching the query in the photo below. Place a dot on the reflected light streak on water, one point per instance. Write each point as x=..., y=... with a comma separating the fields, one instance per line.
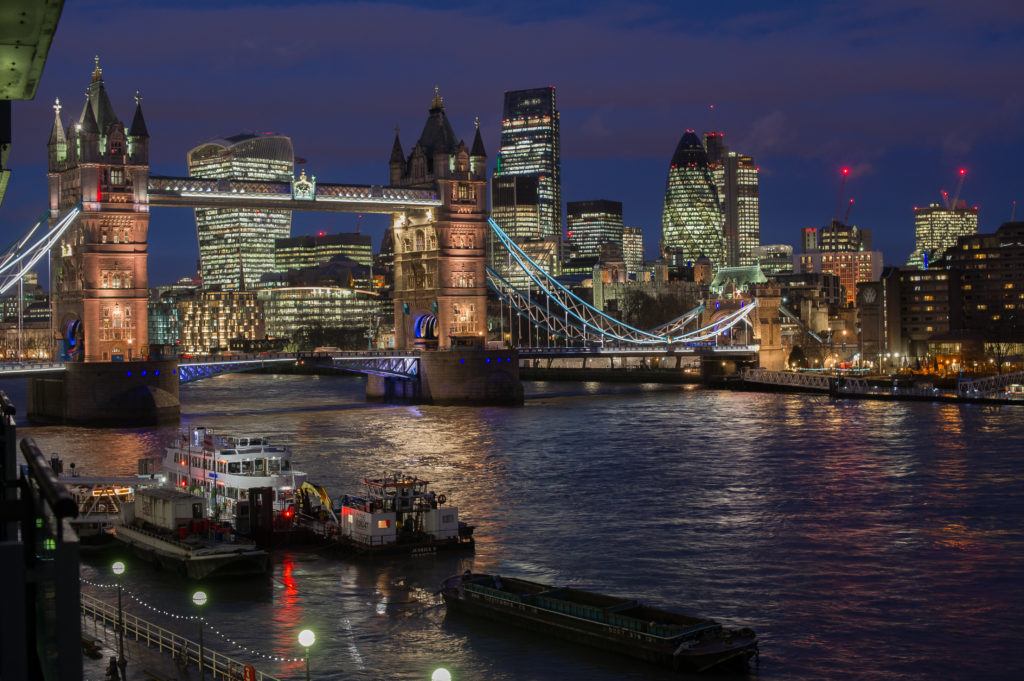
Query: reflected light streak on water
x=863, y=540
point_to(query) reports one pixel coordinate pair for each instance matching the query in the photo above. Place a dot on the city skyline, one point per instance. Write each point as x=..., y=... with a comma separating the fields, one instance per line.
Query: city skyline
x=615, y=146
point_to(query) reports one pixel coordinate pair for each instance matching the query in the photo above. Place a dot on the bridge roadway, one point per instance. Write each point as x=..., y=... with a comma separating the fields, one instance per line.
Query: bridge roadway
x=193, y=192
x=388, y=364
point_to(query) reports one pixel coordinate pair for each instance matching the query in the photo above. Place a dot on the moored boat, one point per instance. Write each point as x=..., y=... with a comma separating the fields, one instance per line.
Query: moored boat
x=398, y=514
x=247, y=481
x=625, y=626
x=170, y=528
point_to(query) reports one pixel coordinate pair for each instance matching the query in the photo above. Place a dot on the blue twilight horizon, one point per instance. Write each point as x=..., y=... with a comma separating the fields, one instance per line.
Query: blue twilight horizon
x=904, y=92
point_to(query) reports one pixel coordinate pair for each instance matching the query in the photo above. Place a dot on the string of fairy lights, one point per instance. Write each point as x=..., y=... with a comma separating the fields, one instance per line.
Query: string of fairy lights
x=192, y=618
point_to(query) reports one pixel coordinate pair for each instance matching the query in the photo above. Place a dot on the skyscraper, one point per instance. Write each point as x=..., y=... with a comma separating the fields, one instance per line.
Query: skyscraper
x=239, y=242
x=592, y=224
x=737, y=181
x=633, y=248
x=741, y=205
x=937, y=228
x=515, y=205
x=691, y=222
x=531, y=146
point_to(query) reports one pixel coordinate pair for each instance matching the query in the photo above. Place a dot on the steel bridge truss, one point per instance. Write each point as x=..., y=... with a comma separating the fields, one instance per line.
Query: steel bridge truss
x=189, y=372
x=389, y=366
x=548, y=304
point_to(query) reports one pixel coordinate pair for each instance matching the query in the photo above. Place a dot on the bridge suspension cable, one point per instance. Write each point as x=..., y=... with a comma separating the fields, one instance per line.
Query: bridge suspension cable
x=561, y=312
x=20, y=259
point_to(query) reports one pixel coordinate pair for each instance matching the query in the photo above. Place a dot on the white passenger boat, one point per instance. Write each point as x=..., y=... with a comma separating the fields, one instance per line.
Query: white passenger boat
x=225, y=468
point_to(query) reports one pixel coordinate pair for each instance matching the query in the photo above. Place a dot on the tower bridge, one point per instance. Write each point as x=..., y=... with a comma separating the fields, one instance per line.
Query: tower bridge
x=96, y=241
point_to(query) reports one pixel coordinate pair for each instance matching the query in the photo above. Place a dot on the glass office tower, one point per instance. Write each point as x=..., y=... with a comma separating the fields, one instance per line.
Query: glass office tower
x=531, y=146
x=692, y=219
x=937, y=228
x=592, y=224
x=238, y=243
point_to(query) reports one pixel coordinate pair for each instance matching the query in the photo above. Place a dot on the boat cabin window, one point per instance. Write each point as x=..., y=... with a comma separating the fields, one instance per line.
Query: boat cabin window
x=260, y=465
x=197, y=511
x=273, y=465
x=234, y=467
x=256, y=441
x=286, y=465
x=221, y=467
x=383, y=524
x=246, y=467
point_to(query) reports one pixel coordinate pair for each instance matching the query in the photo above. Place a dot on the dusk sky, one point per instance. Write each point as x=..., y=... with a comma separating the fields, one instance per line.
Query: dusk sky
x=904, y=92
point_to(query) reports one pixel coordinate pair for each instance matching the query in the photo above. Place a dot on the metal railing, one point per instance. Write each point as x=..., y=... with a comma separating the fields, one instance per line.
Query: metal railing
x=38, y=564
x=788, y=379
x=986, y=386
x=164, y=640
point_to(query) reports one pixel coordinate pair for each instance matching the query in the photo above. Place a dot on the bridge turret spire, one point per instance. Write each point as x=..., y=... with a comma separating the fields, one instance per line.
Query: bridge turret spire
x=97, y=72
x=138, y=127
x=58, y=144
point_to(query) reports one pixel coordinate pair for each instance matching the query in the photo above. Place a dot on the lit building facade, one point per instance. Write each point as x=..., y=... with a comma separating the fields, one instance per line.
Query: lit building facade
x=98, y=272
x=774, y=259
x=592, y=224
x=238, y=243
x=309, y=251
x=530, y=147
x=692, y=221
x=288, y=310
x=211, y=319
x=440, y=279
x=741, y=204
x=937, y=228
x=991, y=291
x=852, y=268
x=633, y=249
x=837, y=236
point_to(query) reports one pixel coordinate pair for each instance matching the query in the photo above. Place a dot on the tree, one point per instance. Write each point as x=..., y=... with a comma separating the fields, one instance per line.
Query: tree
x=797, y=358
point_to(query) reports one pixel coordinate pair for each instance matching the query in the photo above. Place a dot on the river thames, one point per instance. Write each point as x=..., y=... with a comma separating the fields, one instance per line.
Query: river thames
x=865, y=540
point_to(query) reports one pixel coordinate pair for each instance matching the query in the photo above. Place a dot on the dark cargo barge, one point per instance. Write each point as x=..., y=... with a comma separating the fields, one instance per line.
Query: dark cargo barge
x=625, y=626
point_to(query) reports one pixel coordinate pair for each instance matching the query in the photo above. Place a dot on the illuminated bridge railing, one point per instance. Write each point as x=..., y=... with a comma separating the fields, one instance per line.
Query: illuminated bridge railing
x=987, y=387
x=193, y=191
x=405, y=366
x=16, y=369
x=197, y=368
x=789, y=379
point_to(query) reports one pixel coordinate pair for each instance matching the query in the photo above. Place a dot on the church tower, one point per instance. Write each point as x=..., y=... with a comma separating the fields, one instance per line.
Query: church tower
x=98, y=268
x=440, y=279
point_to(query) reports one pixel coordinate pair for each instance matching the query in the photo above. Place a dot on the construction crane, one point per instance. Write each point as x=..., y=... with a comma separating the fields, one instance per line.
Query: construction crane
x=844, y=173
x=959, y=186
x=849, y=207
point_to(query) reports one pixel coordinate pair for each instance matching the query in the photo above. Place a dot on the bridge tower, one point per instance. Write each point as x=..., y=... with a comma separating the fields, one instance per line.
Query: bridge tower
x=440, y=293
x=98, y=269
x=768, y=327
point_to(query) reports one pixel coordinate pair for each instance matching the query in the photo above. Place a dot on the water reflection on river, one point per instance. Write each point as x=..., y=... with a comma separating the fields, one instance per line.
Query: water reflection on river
x=861, y=539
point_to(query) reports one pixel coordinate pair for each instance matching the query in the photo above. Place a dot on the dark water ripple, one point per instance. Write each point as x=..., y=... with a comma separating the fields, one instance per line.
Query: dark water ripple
x=863, y=540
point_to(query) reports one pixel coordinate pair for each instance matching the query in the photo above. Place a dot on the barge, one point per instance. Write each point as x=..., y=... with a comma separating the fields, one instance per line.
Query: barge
x=398, y=514
x=169, y=527
x=625, y=626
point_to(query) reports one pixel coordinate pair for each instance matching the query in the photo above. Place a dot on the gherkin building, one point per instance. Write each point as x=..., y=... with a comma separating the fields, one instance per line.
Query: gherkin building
x=692, y=223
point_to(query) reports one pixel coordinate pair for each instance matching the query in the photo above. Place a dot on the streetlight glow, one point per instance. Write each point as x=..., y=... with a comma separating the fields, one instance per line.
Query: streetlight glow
x=441, y=674
x=118, y=568
x=199, y=598
x=306, y=638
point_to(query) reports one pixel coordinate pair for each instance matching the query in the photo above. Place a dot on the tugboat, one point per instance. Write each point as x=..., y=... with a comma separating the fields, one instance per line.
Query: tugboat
x=245, y=479
x=170, y=528
x=669, y=639
x=398, y=514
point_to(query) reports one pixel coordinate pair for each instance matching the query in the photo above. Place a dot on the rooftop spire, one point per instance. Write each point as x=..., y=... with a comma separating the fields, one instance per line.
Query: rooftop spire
x=438, y=101
x=97, y=72
x=57, y=133
x=397, y=155
x=478, y=142
x=138, y=127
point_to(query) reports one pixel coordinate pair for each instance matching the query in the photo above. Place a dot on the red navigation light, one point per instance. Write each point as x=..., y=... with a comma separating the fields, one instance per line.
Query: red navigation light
x=289, y=513
x=321, y=233
x=845, y=171
x=963, y=171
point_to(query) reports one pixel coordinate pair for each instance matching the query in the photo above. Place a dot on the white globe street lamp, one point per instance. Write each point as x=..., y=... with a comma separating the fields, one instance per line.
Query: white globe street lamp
x=306, y=639
x=441, y=674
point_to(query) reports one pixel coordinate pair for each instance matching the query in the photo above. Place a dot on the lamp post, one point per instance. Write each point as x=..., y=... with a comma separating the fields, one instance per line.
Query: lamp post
x=199, y=598
x=118, y=570
x=306, y=639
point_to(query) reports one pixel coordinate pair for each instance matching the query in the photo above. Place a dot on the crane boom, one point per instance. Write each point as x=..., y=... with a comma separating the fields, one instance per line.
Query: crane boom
x=959, y=187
